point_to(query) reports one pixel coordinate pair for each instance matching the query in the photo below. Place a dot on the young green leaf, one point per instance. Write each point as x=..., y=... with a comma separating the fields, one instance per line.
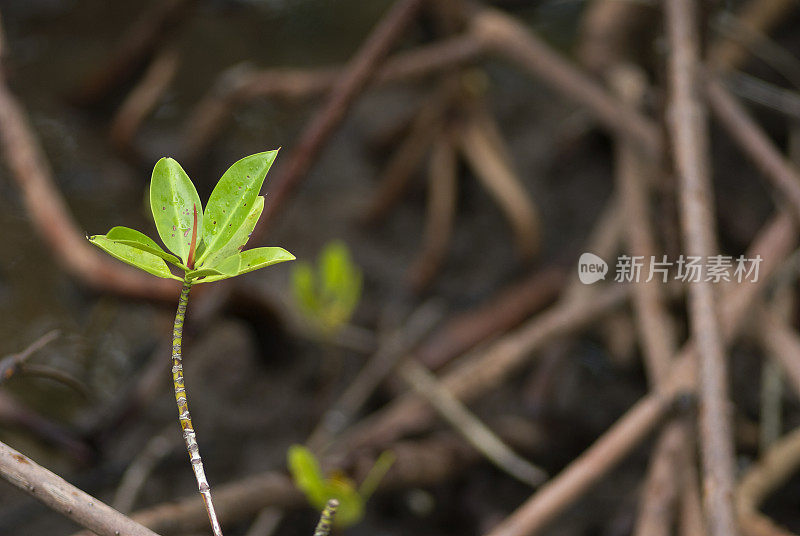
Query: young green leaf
x=351, y=503
x=232, y=199
x=303, y=287
x=172, y=200
x=225, y=269
x=136, y=239
x=252, y=259
x=134, y=256
x=240, y=237
x=257, y=258
x=306, y=473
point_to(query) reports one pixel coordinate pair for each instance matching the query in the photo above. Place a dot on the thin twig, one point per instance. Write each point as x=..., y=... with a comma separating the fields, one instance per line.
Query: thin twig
x=478, y=373
x=353, y=80
x=440, y=213
x=783, y=345
x=469, y=426
x=654, y=325
x=59, y=495
x=505, y=311
x=509, y=38
x=758, y=16
x=378, y=367
x=690, y=142
x=140, y=469
x=496, y=174
x=266, y=522
x=10, y=364
x=141, y=101
x=755, y=143
x=241, y=84
x=395, y=178
x=659, y=497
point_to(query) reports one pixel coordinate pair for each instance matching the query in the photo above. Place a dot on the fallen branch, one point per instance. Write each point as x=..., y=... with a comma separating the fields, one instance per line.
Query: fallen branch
x=52, y=490
x=469, y=426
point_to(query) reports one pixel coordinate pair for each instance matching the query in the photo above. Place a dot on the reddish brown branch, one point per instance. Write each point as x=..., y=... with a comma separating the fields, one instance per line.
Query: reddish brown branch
x=240, y=85
x=143, y=98
x=509, y=38
x=51, y=218
x=353, y=80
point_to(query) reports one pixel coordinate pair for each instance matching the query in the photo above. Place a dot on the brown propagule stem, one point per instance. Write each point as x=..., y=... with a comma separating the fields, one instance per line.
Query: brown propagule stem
x=185, y=418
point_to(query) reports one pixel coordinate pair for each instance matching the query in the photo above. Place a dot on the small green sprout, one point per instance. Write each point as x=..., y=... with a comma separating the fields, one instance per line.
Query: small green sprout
x=328, y=297
x=319, y=490
x=206, y=246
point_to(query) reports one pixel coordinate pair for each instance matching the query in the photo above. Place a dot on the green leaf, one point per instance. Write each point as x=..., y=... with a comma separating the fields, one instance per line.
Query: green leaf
x=173, y=199
x=252, y=259
x=257, y=258
x=227, y=268
x=240, y=237
x=307, y=474
x=351, y=503
x=134, y=256
x=303, y=287
x=232, y=199
x=340, y=284
x=136, y=239
x=376, y=474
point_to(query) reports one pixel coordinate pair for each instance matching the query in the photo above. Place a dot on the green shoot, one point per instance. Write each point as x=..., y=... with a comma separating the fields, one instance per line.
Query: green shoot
x=206, y=246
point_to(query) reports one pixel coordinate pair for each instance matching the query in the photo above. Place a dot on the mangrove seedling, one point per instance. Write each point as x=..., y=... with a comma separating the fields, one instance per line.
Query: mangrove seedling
x=319, y=490
x=329, y=295
x=206, y=245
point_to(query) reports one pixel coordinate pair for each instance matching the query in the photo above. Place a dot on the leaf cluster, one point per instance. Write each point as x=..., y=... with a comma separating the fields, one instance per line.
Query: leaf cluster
x=207, y=245
x=318, y=489
x=328, y=295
